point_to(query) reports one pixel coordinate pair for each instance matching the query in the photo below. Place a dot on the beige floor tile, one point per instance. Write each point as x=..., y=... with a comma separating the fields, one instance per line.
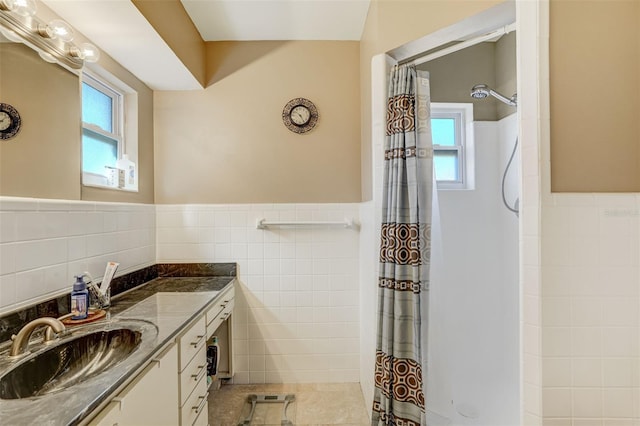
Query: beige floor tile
x=317, y=404
x=330, y=407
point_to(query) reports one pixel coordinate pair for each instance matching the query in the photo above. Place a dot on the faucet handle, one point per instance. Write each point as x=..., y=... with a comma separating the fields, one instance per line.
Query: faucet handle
x=50, y=334
x=21, y=340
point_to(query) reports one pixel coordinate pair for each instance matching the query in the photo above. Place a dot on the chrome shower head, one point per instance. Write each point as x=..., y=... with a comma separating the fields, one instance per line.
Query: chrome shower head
x=481, y=91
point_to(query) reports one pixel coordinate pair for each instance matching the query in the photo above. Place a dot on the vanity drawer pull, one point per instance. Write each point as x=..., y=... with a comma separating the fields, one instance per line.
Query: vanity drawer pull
x=204, y=401
x=197, y=342
x=197, y=376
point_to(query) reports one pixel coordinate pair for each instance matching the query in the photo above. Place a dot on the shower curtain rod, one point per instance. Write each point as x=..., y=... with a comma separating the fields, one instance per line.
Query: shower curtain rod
x=462, y=45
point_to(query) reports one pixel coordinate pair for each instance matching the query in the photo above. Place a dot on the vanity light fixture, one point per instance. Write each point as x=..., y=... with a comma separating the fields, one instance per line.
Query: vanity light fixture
x=52, y=40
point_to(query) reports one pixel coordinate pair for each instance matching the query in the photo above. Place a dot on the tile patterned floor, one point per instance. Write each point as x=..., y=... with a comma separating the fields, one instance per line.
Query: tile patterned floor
x=315, y=404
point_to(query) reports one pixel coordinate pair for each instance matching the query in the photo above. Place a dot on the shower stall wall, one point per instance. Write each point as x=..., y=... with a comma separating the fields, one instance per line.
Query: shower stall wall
x=473, y=366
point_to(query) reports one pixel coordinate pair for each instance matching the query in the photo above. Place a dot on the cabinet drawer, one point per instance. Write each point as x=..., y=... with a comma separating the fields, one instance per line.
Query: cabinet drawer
x=220, y=305
x=202, y=420
x=109, y=416
x=195, y=405
x=192, y=341
x=220, y=311
x=190, y=377
x=224, y=314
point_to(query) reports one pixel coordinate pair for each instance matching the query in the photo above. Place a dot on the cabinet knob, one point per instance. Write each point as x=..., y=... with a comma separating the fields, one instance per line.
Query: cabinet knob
x=201, y=405
x=200, y=373
x=197, y=342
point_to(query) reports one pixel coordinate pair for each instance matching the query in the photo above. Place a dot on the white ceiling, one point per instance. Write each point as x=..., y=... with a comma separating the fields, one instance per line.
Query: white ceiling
x=278, y=19
x=118, y=28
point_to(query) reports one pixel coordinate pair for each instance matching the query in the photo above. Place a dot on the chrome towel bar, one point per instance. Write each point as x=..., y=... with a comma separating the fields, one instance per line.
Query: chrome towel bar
x=347, y=223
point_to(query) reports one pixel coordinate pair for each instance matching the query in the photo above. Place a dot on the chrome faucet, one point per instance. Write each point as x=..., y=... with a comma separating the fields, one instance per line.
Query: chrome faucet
x=21, y=340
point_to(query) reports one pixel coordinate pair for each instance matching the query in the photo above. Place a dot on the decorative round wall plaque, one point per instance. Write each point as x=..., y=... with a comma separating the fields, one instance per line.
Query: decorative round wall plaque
x=9, y=121
x=300, y=115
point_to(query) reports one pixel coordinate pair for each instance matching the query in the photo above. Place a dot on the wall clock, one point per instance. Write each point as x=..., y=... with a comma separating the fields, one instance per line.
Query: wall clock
x=300, y=115
x=9, y=121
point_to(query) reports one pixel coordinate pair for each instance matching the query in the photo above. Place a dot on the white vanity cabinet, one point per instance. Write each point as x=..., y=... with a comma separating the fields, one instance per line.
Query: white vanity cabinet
x=219, y=324
x=149, y=399
x=193, y=373
x=173, y=389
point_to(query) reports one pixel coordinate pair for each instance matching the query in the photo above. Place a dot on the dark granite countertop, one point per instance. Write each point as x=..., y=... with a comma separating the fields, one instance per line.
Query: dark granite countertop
x=166, y=303
x=169, y=285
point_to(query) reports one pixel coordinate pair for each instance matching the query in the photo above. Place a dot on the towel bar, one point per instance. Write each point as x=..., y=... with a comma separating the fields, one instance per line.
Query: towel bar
x=347, y=223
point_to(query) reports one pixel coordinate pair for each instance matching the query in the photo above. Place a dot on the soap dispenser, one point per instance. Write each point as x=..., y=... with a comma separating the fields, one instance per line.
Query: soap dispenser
x=79, y=299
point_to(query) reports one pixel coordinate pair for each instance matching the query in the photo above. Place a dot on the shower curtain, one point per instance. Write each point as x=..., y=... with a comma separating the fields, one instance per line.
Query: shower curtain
x=403, y=282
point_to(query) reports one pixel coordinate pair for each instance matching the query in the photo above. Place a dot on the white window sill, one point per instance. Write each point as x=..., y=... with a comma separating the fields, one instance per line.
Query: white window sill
x=100, y=181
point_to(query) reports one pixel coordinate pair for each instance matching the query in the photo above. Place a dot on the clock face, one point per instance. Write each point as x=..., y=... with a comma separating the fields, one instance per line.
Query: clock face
x=9, y=121
x=5, y=121
x=300, y=115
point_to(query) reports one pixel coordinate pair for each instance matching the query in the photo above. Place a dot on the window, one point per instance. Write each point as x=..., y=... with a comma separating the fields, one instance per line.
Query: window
x=101, y=133
x=106, y=103
x=452, y=142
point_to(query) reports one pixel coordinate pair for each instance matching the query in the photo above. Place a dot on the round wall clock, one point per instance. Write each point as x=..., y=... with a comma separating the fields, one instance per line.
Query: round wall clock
x=9, y=121
x=300, y=115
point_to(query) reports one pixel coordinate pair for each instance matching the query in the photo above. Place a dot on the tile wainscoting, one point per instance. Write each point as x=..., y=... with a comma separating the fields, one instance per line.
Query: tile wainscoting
x=44, y=243
x=297, y=316
x=591, y=309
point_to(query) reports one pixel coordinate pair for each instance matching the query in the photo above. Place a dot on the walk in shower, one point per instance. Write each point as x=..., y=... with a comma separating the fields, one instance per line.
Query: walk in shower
x=473, y=368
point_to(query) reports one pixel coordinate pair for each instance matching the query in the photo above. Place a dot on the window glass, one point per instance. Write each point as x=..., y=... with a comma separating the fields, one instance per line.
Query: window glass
x=98, y=151
x=443, y=131
x=446, y=165
x=97, y=108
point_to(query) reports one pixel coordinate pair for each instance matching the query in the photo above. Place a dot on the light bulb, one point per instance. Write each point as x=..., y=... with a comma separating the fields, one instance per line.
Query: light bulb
x=89, y=52
x=23, y=7
x=59, y=29
x=85, y=51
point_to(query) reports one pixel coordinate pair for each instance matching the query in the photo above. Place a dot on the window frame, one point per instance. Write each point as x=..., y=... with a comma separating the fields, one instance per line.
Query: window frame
x=124, y=108
x=462, y=114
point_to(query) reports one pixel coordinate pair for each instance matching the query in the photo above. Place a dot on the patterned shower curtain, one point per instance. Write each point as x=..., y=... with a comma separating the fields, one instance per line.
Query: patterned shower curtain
x=403, y=282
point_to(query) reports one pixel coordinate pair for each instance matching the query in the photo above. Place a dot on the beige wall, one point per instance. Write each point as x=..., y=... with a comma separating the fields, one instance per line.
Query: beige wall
x=227, y=143
x=392, y=23
x=595, y=102
x=43, y=159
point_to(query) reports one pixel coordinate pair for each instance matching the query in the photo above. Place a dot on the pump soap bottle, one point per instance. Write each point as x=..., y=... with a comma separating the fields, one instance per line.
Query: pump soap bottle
x=79, y=299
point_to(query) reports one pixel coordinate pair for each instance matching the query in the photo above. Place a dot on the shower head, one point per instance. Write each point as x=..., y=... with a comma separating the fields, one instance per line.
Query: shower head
x=481, y=91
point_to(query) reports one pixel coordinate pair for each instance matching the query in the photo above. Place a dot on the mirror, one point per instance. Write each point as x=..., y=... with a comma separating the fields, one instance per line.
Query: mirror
x=43, y=159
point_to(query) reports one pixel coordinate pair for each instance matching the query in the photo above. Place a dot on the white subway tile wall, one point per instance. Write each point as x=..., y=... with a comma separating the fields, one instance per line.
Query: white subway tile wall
x=591, y=309
x=532, y=20
x=296, y=317
x=44, y=243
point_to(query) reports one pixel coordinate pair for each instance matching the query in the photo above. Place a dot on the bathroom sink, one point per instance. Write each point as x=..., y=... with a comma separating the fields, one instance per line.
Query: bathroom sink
x=69, y=362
